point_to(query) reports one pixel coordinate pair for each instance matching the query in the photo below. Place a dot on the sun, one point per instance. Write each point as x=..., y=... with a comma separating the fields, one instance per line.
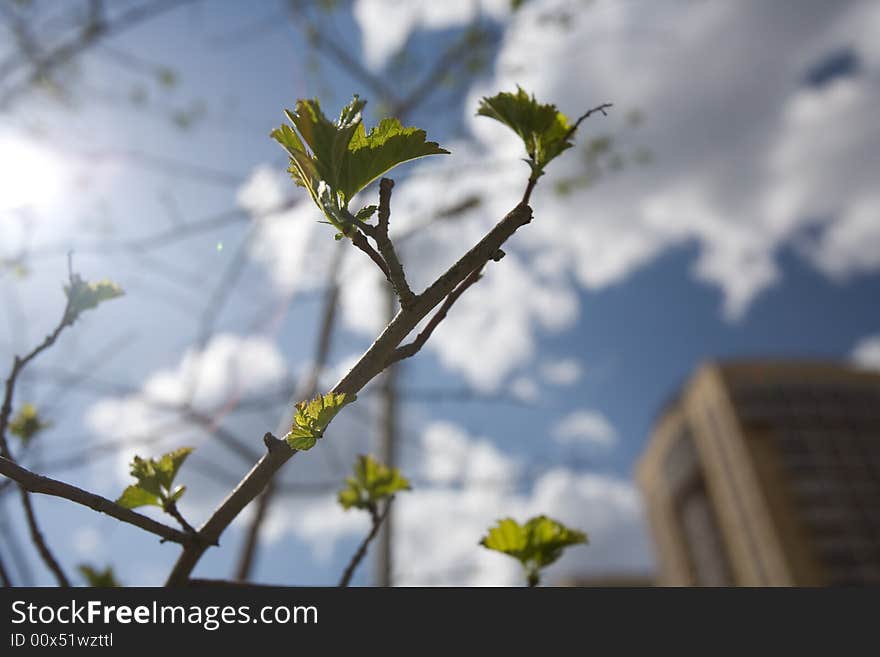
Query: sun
x=30, y=177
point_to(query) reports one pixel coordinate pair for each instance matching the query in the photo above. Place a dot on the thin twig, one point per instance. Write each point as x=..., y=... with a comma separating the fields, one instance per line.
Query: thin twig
x=18, y=364
x=40, y=542
x=413, y=347
x=360, y=241
x=361, y=552
x=586, y=115
x=4, y=576
x=533, y=179
x=396, y=275
x=90, y=34
x=172, y=510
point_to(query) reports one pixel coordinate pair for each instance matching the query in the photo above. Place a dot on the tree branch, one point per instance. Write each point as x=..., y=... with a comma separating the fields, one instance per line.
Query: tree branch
x=5, y=412
x=4, y=576
x=34, y=483
x=361, y=552
x=373, y=361
x=175, y=513
x=360, y=241
x=91, y=33
x=413, y=347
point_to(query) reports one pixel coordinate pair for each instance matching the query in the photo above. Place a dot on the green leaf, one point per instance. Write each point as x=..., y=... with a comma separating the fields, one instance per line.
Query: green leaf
x=27, y=423
x=537, y=544
x=99, y=578
x=299, y=442
x=312, y=417
x=318, y=146
x=169, y=464
x=545, y=130
x=372, y=481
x=83, y=295
x=335, y=160
x=155, y=478
x=387, y=145
x=134, y=496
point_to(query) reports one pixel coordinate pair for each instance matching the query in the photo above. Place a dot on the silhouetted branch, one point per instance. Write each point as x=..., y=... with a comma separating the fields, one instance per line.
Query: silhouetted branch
x=394, y=271
x=34, y=483
x=361, y=552
x=413, y=347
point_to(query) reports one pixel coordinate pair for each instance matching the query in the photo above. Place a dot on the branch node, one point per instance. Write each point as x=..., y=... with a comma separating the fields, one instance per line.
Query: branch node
x=272, y=443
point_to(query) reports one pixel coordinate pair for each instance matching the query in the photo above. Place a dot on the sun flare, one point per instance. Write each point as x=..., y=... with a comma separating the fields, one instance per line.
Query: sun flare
x=30, y=176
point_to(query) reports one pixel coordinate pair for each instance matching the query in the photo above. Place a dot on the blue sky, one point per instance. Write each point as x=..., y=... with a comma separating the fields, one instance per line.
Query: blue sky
x=753, y=231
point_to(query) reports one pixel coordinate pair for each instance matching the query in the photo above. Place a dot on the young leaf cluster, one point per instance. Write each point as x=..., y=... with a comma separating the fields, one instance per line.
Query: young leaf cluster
x=545, y=130
x=372, y=481
x=312, y=417
x=535, y=545
x=155, y=481
x=83, y=295
x=335, y=160
x=27, y=423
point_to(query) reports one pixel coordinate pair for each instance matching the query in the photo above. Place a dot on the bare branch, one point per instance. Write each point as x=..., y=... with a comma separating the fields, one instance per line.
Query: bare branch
x=360, y=241
x=365, y=544
x=34, y=483
x=396, y=276
x=413, y=347
x=90, y=34
x=67, y=318
x=174, y=512
x=586, y=115
x=40, y=542
x=4, y=576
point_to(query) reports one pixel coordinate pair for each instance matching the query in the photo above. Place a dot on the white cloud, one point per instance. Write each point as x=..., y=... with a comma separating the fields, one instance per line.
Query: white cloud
x=866, y=353
x=437, y=528
x=583, y=426
x=450, y=456
x=494, y=324
x=229, y=367
x=386, y=24
x=525, y=389
x=289, y=243
x=562, y=372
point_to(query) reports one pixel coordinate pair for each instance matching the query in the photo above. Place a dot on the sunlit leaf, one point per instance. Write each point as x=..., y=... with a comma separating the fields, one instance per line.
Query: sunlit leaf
x=545, y=131
x=387, y=145
x=83, y=295
x=335, y=160
x=155, y=478
x=312, y=417
x=537, y=544
x=134, y=496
